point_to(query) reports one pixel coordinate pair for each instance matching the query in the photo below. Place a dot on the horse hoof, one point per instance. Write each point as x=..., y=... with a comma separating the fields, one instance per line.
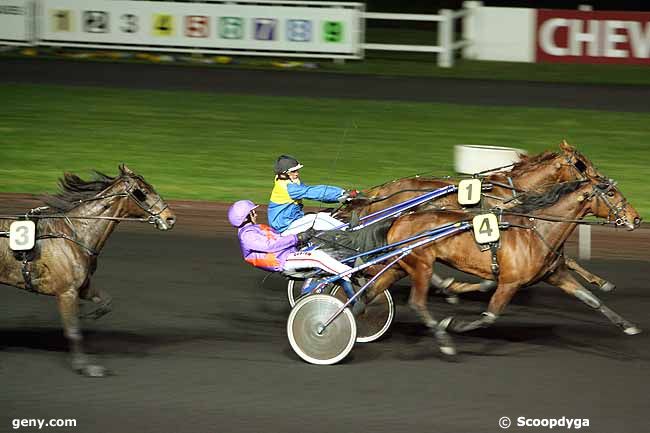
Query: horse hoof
x=452, y=299
x=445, y=343
x=358, y=308
x=444, y=323
x=607, y=287
x=94, y=371
x=632, y=330
x=487, y=285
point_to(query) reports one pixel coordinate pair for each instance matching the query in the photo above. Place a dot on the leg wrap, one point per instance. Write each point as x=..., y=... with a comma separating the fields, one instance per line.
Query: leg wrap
x=440, y=283
x=588, y=298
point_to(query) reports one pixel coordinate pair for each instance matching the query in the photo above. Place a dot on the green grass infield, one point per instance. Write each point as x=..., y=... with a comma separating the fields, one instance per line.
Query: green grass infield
x=222, y=147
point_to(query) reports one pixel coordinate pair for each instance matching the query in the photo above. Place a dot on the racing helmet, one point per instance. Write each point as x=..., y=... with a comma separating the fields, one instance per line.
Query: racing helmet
x=286, y=163
x=239, y=210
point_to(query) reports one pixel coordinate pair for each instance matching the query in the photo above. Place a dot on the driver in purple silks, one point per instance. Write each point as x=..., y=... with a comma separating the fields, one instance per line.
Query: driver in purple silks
x=264, y=248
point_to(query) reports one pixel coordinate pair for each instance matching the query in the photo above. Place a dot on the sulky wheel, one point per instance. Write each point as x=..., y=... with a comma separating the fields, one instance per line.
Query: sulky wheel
x=314, y=344
x=373, y=323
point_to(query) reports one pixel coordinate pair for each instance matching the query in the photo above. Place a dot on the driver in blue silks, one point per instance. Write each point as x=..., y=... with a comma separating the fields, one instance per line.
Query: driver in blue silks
x=285, y=205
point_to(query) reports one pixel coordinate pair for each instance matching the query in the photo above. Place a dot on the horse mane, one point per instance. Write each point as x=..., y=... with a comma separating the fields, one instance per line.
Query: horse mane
x=528, y=162
x=532, y=202
x=73, y=189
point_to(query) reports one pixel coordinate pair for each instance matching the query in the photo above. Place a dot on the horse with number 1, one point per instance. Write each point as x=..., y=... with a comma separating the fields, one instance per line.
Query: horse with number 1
x=530, y=174
x=53, y=250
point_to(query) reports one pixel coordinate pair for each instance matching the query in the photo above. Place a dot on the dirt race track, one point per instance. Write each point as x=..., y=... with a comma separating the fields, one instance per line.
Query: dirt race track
x=197, y=342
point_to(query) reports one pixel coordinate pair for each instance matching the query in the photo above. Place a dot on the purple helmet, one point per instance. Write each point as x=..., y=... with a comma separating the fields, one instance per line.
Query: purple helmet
x=238, y=212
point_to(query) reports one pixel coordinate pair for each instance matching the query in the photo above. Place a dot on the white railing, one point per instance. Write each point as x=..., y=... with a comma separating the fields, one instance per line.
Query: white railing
x=446, y=43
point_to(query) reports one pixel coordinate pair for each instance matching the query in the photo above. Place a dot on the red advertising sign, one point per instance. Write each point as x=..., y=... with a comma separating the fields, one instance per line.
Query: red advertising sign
x=565, y=36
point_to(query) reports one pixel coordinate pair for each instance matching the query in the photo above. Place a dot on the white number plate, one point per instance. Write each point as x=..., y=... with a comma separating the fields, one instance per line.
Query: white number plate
x=486, y=228
x=469, y=191
x=22, y=235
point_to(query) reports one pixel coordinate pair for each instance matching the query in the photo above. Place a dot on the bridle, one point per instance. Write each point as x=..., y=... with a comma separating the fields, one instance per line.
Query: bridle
x=132, y=191
x=601, y=192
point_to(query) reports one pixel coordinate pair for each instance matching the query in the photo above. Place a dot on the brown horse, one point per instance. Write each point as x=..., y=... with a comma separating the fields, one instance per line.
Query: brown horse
x=69, y=241
x=530, y=174
x=530, y=250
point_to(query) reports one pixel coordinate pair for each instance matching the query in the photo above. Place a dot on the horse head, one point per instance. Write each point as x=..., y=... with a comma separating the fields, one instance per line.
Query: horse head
x=580, y=164
x=143, y=200
x=606, y=201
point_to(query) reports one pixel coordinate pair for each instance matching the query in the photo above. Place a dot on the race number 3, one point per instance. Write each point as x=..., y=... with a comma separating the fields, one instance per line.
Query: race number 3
x=469, y=191
x=22, y=235
x=486, y=228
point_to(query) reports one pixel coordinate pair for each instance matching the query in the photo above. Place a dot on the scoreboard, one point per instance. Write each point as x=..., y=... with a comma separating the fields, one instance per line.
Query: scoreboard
x=307, y=29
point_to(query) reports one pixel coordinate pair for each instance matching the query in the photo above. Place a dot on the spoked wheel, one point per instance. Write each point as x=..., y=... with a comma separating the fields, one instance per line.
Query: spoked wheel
x=373, y=323
x=294, y=290
x=314, y=344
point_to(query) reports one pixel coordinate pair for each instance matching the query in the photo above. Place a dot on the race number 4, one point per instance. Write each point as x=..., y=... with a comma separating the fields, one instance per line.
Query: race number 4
x=163, y=25
x=22, y=235
x=486, y=228
x=469, y=191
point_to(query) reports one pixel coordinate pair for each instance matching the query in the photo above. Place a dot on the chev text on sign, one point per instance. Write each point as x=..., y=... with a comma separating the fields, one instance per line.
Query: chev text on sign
x=592, y=37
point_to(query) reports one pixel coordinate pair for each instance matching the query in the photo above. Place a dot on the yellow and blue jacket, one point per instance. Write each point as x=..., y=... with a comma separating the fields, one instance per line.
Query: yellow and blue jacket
x=285, y=205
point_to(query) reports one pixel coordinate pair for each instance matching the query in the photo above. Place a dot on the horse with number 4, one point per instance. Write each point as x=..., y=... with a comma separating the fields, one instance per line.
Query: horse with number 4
x=53, y=250
x=527, y=243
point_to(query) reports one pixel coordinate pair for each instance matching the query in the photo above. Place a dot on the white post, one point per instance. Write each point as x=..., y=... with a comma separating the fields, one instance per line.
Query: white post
x=584, y=242
x=470, y=27
x=445, y=39
x=585, y=8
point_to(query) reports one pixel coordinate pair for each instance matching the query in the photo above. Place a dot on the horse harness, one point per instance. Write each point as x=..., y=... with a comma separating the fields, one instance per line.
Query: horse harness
x=27, y=257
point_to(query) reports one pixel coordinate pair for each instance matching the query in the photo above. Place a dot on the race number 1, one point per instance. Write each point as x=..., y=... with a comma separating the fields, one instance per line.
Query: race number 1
x=22, y=235
x=486, y=228
x=469, y=191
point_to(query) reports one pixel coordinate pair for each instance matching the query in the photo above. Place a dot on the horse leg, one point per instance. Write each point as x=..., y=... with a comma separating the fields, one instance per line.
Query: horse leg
x=483, y=286
x=420, y=273
x=378, y=286
x=602, y=284
x=567, y=282
x=500, y=299
x=443, y=285
x=69, y=309
x=102, y=300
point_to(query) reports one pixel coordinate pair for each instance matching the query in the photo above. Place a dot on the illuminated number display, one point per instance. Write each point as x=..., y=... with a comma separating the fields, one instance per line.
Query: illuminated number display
x=231, y=28
x=265, y=29
x=299, y=30
x=333, y=31
x=129, y=23
x=197, y=26
x=95, y=21
x=61, y=20
x=163, y=25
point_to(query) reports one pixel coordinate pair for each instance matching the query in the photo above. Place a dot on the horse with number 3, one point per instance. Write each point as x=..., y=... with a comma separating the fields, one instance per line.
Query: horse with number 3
x=55, y=248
